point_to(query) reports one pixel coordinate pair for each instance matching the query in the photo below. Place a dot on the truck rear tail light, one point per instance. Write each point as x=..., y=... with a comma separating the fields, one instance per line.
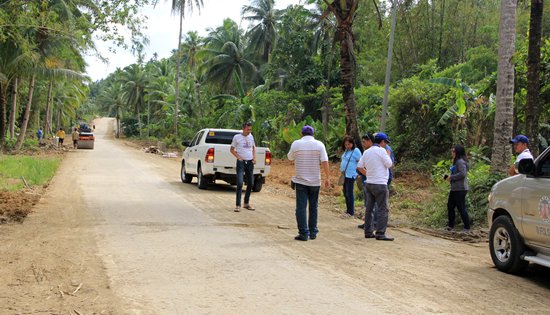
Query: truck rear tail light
x=209, y=156
x=267, y=158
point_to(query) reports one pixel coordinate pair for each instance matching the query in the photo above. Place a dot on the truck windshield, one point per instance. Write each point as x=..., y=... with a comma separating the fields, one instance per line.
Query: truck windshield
x=220, y=137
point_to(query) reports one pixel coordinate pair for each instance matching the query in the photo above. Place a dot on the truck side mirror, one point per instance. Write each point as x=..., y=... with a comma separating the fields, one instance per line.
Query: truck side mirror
x=185, y=143
x=526, y=166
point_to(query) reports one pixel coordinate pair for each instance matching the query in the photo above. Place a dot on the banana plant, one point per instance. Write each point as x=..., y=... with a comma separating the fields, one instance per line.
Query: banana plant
x=461, y=92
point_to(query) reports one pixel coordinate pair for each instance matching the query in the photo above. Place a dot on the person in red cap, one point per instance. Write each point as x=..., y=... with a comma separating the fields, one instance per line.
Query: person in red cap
x=521, y=146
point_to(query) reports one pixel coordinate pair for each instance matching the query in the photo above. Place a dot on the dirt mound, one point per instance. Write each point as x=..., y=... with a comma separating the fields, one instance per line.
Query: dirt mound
x=16, y=205
x=282, y=170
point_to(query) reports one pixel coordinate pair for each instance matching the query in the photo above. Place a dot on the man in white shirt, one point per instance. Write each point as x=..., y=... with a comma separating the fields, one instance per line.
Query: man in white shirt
x=521, y=146
x=244, y=149
x=308, y=155
x=375, y=164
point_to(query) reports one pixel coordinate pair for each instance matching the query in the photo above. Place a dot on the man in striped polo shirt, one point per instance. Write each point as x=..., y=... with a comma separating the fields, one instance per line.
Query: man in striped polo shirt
x=308, y=155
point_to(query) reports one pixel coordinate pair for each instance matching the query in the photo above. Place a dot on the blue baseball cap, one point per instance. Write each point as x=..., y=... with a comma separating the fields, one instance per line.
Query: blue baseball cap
x=379, y=136
x=308, y=130
x=520, y=138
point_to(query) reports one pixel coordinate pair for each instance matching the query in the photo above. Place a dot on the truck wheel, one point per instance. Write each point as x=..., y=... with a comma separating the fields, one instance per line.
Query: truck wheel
x=202, y=181
x=185, y=178
x=506, y=246
x=258, y=183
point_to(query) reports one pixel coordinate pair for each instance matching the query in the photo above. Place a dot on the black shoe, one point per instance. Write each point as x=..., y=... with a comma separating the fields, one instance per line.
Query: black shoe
x=312, y=237
x=301, y=237
x=361, y=226
x=369, y=235
x=383, y=238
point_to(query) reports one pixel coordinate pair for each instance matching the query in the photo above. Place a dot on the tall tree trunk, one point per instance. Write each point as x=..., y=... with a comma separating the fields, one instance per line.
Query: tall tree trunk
x=13, y=109
x=178, y=67
x=347, y=73
x=197, y=92
x=25, y=122
x=432, y=28
x=505, y=88
x=441, y=28
x=48, y=120
x=58, y=119
x=117, y=131
x=532, y=108
x=3, y=109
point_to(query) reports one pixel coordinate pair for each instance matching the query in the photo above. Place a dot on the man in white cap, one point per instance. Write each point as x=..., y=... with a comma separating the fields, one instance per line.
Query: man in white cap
x=521, y=146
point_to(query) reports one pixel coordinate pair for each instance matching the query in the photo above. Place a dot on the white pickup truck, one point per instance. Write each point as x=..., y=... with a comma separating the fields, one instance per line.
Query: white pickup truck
x=208, y=158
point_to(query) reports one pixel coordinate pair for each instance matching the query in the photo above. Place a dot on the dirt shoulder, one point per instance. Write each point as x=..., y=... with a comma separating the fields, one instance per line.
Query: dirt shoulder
x=49, y=259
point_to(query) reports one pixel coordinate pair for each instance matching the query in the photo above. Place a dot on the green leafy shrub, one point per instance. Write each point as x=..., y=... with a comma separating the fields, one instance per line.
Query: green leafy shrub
x=130, y=126
x=413, y=124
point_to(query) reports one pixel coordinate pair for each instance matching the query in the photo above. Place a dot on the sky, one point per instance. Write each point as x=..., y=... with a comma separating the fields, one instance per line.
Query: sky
x=163, y=29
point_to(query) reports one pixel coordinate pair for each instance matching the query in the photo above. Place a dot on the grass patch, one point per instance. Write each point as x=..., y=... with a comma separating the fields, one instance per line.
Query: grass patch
x=36, y=170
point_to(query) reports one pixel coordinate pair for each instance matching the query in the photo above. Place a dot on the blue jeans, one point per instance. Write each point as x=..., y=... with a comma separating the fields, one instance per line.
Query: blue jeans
x=348, y=194
x=376, y=195
x=305, y=194
x=244, y=167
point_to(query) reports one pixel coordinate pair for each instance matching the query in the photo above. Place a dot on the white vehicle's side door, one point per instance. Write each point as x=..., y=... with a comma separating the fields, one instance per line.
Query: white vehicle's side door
x=536, y=204
x=192, y=155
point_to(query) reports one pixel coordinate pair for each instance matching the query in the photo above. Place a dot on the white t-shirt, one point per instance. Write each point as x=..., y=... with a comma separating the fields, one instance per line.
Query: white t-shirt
x=376, y=162
x=525, y=154
x=244, y=145
x=307, y=153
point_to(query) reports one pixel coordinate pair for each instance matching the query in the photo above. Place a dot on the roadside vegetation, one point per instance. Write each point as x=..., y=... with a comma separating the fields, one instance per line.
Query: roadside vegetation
x=321, y=64
x=18, y=171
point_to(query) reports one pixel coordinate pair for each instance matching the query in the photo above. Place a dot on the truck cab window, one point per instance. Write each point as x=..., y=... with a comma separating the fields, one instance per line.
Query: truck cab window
x=544, y=167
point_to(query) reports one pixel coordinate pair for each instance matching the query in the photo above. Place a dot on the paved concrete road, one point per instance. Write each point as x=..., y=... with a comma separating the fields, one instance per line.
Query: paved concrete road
x=119, y=227
x=167, y=256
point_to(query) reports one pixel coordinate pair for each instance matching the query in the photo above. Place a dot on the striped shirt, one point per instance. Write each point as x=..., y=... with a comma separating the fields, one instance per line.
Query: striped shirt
x=307, y=153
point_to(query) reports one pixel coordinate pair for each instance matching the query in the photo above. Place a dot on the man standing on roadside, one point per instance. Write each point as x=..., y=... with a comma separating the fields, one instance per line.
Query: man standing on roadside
x=366, y=143
x=74, y=136
x=244, y=149
x=40, y=135
x=308, y=155
x=61, y=136
x=375, y=163
x=521, y=146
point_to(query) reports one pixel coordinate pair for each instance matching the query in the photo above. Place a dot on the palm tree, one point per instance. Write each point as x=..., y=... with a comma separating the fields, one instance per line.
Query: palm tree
x=190, y=47
x=344, y=12
x=505, y=87
x=11, y=62
x=112, y=98
x=532, y=110
x=67, y=98
x=263, y=35
x=134, y=81
x=226, y=63
x=178, y=6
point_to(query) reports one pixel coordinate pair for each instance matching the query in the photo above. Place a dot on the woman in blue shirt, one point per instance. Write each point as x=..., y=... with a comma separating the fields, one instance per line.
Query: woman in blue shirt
x=348, y=166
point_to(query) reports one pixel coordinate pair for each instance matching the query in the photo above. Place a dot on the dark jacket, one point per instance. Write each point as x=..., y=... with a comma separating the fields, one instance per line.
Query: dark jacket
x=459, y=176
